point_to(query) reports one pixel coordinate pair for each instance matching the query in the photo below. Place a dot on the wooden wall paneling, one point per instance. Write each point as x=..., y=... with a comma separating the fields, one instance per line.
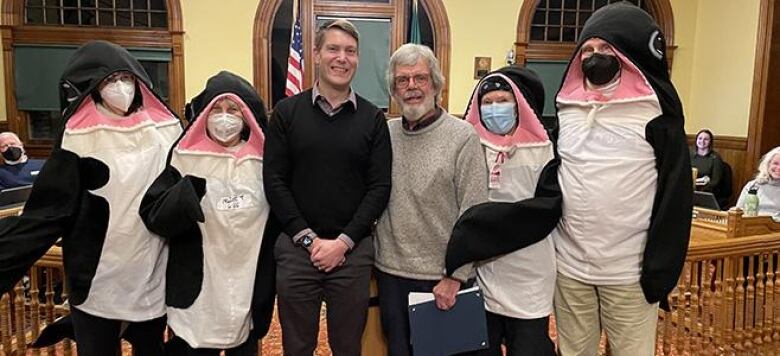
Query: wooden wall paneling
x=763, y=124
x=733, y=150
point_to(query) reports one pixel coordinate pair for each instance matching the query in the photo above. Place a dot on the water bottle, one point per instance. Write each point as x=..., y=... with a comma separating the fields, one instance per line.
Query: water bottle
x=751, y=202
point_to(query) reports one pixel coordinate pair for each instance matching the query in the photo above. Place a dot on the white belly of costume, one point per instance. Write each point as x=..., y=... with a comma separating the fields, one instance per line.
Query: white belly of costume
x=608, y=179
x=129, y=283
x=520, y=284
x=236, y=211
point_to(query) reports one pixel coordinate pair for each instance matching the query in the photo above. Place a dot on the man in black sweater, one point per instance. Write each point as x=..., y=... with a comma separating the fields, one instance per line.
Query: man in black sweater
x=327, y=177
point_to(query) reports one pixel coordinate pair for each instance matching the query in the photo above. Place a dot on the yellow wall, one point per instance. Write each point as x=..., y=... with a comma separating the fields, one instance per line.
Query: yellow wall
x=217, y=36
x=722, y=77
x=684, y=38
x=481, y=28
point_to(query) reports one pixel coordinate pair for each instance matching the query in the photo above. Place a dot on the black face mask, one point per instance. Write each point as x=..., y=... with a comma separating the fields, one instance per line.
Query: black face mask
x=12, y=154
x=600, y=68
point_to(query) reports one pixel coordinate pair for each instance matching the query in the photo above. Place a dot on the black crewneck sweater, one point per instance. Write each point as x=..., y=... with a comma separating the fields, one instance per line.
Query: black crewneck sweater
x=330, y=174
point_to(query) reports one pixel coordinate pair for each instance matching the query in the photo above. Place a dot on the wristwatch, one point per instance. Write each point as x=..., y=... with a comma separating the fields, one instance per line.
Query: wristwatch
x=305, y=241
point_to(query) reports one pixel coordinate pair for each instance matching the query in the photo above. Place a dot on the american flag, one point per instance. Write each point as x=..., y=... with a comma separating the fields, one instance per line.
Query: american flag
x=295, y=60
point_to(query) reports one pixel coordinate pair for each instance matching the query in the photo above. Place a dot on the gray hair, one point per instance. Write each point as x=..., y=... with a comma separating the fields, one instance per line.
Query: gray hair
x=10, y=134
x=408, y=55
x=762, y=176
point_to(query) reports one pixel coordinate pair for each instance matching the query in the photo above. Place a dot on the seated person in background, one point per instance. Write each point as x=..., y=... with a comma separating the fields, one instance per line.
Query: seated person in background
x=18, y=170
x=767, y=181
x=706, y=161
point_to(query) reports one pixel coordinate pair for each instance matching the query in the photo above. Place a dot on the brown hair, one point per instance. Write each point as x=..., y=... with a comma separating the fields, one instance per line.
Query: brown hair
x=338, y=24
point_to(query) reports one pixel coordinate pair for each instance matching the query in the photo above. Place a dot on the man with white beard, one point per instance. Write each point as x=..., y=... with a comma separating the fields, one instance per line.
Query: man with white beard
x=438, y=172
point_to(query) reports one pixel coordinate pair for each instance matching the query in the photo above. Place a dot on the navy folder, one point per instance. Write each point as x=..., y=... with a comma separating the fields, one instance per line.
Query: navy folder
x=437, y=332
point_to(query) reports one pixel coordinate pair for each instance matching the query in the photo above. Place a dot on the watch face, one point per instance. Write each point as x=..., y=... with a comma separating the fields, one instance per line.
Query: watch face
x=306, y=241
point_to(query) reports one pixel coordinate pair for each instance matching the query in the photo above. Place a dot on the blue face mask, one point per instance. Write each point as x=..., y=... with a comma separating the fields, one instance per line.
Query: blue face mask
x=498, y=118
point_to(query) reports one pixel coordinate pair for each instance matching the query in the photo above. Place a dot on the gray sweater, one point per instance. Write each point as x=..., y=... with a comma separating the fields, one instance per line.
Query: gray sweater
x=768, y=197
x=438, y=173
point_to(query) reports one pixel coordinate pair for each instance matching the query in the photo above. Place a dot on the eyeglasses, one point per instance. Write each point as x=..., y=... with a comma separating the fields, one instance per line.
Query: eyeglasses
x=120, y=76
x=403, y=81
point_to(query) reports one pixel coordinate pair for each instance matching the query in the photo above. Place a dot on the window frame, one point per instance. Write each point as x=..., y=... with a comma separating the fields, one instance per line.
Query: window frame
x=311, y=9
x=14, y=31
x=526, y=49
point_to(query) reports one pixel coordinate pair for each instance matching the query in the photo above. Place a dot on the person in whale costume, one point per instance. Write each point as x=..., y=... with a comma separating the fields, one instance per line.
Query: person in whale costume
x=626, y=181
x=518, y=286
x=209, y=204
x=116, y=135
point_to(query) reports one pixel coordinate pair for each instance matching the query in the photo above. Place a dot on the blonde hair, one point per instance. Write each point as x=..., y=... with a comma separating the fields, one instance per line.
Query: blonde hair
x=762, y=177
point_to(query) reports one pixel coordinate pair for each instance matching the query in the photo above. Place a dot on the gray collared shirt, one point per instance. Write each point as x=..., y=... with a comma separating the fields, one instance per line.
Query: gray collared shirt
x=318, y=99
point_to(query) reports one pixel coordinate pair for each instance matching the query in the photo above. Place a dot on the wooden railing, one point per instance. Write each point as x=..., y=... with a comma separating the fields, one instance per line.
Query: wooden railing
x=29, y=308
x=727, y=300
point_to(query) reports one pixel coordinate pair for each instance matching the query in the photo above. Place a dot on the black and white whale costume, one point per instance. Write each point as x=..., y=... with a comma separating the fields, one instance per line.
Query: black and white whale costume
x=519, y=284
x=210, y=204
x=89, y=193
x=625, y=171
x=511, y=222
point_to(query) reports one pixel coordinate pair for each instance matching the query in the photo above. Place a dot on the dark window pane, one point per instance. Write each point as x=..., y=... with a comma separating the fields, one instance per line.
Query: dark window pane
x=569, y=34
x=122, y=4
x=570, y=18
x=71, y=17
x=570, y=4
x=586, y=4
x=553, y=33
x=157, y=4
x=105, y=4
x=123, y=18
x=159, y=19
x=43, y=124
x=554, y=18
x=70, y=3
x=34, y=3
x=158, y=73
x=538, y=18
x=87, y=3
x=600, y=3
x=88, y=17
x=537, y=33
x=584, y=16
x=52, y=16
x=140, y=19
x=140, y=5
x=34, y=16
x=106, y=18
x=554, y=4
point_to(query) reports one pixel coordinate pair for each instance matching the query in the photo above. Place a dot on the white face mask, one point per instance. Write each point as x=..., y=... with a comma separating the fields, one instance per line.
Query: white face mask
x=225, y=127
x=118, y=94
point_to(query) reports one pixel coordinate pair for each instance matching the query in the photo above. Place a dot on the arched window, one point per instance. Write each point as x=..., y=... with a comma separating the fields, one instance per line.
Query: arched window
x=383, y=25
x=547, y=32
x=44, y=33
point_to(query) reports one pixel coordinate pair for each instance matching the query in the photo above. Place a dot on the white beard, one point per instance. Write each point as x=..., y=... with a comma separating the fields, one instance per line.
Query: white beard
x=414, y=113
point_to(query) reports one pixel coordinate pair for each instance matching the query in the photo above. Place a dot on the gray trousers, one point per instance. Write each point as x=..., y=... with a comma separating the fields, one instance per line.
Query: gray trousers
x=302, y=288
